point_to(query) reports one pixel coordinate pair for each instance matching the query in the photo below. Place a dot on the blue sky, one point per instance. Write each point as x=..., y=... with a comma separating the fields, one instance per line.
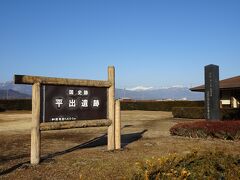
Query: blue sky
x=150, y=42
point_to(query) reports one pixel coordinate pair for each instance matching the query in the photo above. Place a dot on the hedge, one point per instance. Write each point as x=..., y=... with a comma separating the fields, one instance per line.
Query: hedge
x=16, y=104
x=188, y=112
x=26, y=104
x=228, y=130
x=198, y=113
x=1, y=109
x=158, y=105
x=232, y=114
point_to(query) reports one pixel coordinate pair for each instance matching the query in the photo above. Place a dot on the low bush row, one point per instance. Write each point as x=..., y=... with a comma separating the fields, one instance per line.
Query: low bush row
x=16, y=104
x=194, y=165
x=1, y=109
x=188, y=112
x=198, y=113
x=26, y=104
x=158, y=105
x=228, y=130
x=230, y=114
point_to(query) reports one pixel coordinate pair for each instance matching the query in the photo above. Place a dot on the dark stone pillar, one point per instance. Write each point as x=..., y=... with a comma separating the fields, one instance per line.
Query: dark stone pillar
x=212, y=92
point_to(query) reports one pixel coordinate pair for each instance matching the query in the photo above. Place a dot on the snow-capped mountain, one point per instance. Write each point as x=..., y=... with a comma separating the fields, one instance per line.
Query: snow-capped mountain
x=150, y=93
x=139, y=88
x=138, y=93
x=25, y=89
x=11, y=94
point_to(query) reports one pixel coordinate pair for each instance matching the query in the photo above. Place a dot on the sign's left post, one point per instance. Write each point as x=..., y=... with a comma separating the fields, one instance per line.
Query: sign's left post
x=35, y=129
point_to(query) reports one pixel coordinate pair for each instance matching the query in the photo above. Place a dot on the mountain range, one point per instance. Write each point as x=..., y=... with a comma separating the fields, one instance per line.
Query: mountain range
x=170, y=93
x=13, y=91
x=11, y=94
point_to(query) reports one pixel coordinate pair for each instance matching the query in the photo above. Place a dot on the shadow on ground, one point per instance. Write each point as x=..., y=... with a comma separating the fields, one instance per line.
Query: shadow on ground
x=96, y=142
x=99, y=141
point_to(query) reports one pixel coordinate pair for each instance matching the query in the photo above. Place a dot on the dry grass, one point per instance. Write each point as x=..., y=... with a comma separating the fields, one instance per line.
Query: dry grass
x=67, y=155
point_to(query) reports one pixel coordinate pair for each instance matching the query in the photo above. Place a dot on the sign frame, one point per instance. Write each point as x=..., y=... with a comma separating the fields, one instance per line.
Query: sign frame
x=114, y=133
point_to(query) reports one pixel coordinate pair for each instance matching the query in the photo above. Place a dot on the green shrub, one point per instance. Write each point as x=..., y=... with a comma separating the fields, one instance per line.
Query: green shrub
x=230, y=114
x=194, y=165
x=26, y=104
x=158, y=105
x=229, y=130
x=1, y=109
x=188, y=112
x=16, y=104
x=198, y=113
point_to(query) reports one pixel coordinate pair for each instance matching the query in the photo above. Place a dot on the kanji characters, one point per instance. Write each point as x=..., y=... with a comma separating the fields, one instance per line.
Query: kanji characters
x=85, y=92
x=71, y=92
x=72, y=103
x=84, y=103
x=96, y=103
x=59, y=102
x=80, y=92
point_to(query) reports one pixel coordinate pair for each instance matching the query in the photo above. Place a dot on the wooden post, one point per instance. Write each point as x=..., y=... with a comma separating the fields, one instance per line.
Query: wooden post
x=74, y=124
x=111, y=108
x=35, y=132
x=117, y=125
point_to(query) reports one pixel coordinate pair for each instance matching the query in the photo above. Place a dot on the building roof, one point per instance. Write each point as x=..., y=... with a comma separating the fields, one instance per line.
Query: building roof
x=230, y=83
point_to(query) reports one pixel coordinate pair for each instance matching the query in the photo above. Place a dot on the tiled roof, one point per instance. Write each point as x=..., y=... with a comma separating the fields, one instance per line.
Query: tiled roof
x=230, y=83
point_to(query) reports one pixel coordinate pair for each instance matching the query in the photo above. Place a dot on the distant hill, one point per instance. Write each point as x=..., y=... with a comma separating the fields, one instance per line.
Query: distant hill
x=11, y=94
x=25, y=89
x=138, y=93
x=171, y=93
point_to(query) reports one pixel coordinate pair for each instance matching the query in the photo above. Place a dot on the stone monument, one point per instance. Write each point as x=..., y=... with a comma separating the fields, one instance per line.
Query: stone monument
x=212, y=92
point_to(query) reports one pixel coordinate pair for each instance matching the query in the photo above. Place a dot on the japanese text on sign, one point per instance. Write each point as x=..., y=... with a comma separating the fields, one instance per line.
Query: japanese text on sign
x=63, y=103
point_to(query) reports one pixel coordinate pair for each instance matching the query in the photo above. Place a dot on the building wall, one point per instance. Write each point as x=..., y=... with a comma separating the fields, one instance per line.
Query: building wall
x=230, y=98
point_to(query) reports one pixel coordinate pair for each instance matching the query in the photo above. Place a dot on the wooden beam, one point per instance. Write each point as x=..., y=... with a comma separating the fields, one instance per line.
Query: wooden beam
x=111, y=108
x=74, y=124
x=35, y=131
x=117, y=125
x=24, y=79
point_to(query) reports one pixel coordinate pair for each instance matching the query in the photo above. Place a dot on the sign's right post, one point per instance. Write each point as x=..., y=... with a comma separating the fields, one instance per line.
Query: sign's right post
x=35, y=130
x=118, y=125
x=111, y=108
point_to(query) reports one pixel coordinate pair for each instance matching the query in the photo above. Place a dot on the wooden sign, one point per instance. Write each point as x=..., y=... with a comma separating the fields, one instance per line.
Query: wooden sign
x=71, y=103
x=60, y=103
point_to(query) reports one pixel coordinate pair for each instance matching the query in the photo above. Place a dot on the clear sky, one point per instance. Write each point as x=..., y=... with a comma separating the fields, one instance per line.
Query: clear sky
x=150, y=42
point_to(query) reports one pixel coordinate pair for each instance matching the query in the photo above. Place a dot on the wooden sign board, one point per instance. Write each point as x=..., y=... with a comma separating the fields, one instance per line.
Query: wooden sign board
x=71, y=103
x=60, y=103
